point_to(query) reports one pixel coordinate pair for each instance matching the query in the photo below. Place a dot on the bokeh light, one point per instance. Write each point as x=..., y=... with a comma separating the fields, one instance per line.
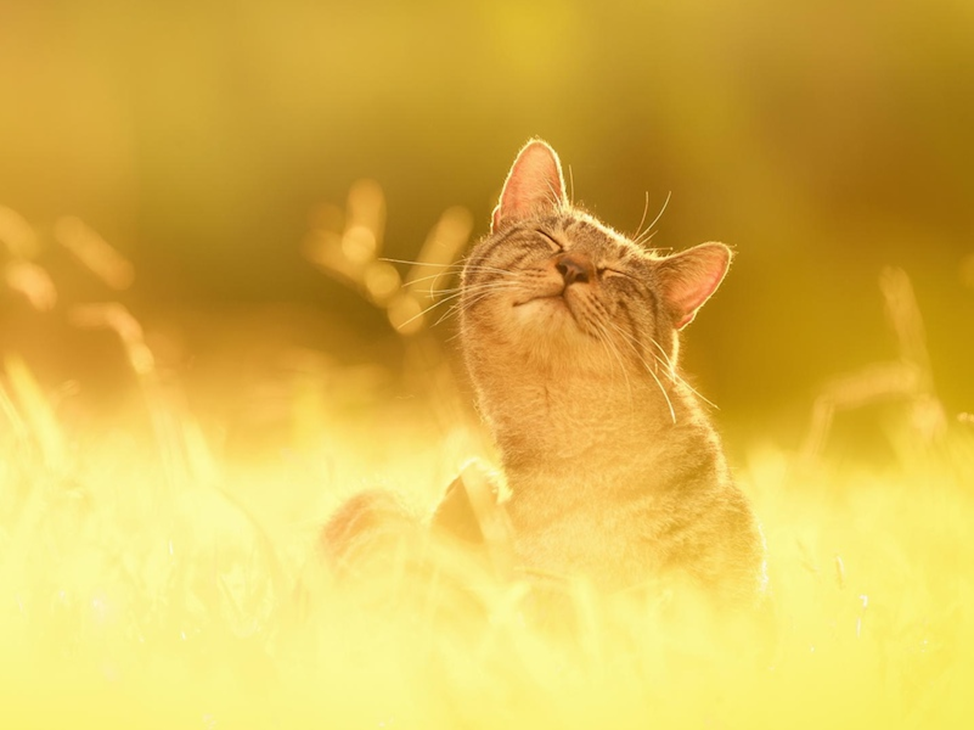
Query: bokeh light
x=229, y=236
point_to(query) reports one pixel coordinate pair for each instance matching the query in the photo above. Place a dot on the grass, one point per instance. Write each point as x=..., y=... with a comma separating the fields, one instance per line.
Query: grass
x=152, y=575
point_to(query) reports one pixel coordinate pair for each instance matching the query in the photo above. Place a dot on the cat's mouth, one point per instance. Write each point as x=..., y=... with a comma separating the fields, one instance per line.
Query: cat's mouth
x=559, y=301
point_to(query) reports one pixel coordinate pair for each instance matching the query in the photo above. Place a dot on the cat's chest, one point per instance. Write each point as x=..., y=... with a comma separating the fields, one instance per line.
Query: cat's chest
x=615, y=482
x=616, y=525
x=583, y=523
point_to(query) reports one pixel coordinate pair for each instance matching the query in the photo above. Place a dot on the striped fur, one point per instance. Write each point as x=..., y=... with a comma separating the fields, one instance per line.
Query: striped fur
x=570, y=333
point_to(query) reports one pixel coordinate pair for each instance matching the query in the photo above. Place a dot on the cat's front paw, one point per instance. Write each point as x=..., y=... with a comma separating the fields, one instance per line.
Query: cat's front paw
x=472, y=512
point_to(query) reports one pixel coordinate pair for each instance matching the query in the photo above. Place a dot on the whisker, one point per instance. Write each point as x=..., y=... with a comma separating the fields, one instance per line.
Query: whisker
x=666, y=358
x=484, y=286
x=665, y=361
x=636, y=345
x=470, y=288
x=662, y=210
x=431, y=292
x=477, y=293
x=639, y=228
x=434, y=277
x=459, y=303
x=509, y=274
x=451, y=297
x=676, y=378
x=611, y=348
x=456, y=269
x=409, y=262
x=633, y=344
x=648, y=234
x=666, y=396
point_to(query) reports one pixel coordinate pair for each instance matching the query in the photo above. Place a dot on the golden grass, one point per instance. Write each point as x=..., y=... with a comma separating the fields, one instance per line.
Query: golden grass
x=129, y=598
x=150, y=577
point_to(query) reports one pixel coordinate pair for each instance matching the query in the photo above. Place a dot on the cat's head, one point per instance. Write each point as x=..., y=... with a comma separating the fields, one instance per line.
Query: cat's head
x=553, y=284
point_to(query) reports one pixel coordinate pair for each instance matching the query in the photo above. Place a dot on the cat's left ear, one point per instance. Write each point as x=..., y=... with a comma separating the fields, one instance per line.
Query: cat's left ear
x=534, y=186
x=687, y=279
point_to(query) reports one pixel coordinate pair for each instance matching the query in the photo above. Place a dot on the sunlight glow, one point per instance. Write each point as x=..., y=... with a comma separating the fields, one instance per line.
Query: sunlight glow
x=162, y=564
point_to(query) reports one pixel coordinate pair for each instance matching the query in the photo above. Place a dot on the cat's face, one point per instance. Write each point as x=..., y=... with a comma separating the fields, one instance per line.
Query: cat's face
x=565, y=288
x=553, y=285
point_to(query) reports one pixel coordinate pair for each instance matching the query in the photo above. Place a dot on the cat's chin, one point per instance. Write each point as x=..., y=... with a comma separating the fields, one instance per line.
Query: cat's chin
x=546, y=316
x=547, y=323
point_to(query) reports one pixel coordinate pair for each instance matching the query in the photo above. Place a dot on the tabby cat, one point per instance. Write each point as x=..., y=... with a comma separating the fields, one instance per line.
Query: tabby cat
x=569, y=331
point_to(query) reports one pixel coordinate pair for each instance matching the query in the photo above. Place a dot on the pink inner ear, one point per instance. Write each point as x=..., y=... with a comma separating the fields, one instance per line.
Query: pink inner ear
x=689, y=278
x=534, y=185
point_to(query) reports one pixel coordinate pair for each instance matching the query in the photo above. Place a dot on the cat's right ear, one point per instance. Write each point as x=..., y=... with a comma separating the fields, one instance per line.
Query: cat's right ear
x=534, y=187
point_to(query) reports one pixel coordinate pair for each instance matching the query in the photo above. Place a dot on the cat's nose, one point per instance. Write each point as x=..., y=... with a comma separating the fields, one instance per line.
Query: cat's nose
x=573, y=268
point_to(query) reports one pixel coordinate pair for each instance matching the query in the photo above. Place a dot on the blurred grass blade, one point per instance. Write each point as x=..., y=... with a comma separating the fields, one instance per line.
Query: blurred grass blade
x=94, y=252
x=17, y=234
x=33, y=282
x=36, y=412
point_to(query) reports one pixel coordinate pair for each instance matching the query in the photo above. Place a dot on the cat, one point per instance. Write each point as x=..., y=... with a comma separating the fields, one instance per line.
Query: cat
x=570, y=334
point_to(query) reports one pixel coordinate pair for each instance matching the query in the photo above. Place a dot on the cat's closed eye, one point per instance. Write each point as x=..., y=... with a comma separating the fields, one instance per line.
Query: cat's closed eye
x=606, y=271
x=556, y=245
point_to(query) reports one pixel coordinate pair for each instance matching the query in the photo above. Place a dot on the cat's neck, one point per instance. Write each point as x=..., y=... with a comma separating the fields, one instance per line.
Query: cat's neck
x=571, y=445
x=564, y=424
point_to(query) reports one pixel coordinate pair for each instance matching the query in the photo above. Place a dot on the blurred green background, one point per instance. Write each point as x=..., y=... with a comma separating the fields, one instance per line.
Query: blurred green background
x=822, y=140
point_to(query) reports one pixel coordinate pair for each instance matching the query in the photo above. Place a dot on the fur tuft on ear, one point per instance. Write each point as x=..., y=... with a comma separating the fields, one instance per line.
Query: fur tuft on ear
x=689, y=278
x=534, y=186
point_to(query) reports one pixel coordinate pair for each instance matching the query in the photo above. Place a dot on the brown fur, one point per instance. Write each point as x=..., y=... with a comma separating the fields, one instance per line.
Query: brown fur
x=570, y=334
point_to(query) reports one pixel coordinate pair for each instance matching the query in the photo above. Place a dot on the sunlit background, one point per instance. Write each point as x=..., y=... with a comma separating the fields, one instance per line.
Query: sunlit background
x=194, y=202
